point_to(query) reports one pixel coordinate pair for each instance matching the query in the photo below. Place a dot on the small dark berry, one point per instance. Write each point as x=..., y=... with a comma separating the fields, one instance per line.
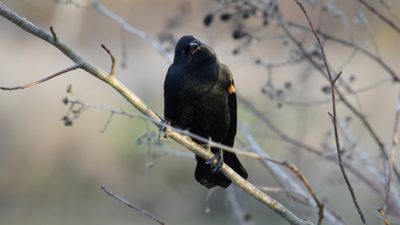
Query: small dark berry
x=65, y=100
x=225, y=16
x=67, y=121
x=326, y=89
x=237, y=34
x=246, y=14
x=247, y=216
x=208, y=19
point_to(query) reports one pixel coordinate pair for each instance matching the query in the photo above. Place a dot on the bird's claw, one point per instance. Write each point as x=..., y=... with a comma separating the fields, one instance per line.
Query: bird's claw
x=219, y=156
x=163, y=133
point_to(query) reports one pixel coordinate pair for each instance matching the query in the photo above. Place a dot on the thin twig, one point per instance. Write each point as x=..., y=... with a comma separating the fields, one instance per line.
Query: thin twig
x=107, y=123
x=392, y=156
x=74, y=67
x=130, y=205
x=112, y=71
x=334, y=114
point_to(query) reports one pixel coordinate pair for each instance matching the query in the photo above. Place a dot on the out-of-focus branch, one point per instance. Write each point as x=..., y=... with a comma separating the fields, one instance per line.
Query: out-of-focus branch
x=291, y=184
x=354, y=46
x=97, y=5
x=142, y=107
x=380, y=15
x=242, y=217
x=130, y=205
x=392, y=156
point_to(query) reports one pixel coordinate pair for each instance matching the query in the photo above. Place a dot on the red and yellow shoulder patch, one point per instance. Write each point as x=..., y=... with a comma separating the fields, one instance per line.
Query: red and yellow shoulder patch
x=231, y=89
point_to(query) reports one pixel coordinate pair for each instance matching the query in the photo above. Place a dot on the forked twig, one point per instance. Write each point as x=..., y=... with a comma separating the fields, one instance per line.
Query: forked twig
x=333, y=115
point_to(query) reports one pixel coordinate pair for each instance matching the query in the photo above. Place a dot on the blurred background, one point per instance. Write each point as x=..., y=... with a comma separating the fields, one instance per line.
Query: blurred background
x=51, y=173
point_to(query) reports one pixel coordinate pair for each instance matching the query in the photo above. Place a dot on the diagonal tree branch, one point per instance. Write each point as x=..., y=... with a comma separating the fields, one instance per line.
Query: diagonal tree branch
x=380, y=15
x=142, y=107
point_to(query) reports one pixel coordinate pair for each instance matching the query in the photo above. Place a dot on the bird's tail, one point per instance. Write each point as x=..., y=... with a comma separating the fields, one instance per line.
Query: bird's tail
x=205, y=176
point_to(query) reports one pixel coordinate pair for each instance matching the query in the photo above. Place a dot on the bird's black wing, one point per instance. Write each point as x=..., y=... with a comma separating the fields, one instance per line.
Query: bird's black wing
x=230, y=158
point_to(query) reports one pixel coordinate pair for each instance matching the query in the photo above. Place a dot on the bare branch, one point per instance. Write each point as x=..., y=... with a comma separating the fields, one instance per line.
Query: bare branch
x=334, y=114
x=130, y=205
x=74, y=67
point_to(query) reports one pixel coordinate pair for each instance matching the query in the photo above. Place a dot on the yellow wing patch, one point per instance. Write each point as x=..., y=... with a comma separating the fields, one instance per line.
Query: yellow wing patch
x=231, y=89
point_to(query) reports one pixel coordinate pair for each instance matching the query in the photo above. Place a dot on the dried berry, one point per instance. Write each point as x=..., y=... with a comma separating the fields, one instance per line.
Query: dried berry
x=208, y=19
x=225, y=16
x=326, y=89
x=236, y=51
x=237, y=34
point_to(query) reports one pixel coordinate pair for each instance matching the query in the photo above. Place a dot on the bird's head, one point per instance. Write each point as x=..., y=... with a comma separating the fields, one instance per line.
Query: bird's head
x=189, y=50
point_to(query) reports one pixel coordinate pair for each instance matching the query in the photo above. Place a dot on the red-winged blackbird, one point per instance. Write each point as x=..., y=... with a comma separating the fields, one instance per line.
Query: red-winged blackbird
x=199, y=96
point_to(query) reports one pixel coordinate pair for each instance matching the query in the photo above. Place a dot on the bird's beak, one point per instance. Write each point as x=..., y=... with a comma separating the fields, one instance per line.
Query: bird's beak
x=194, y=47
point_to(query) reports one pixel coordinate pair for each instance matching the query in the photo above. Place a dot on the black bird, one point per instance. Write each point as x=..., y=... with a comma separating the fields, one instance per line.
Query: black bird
x=199, y=96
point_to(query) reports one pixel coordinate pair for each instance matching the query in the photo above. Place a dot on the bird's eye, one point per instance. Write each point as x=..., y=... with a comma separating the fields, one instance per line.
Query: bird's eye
x=183, y=52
